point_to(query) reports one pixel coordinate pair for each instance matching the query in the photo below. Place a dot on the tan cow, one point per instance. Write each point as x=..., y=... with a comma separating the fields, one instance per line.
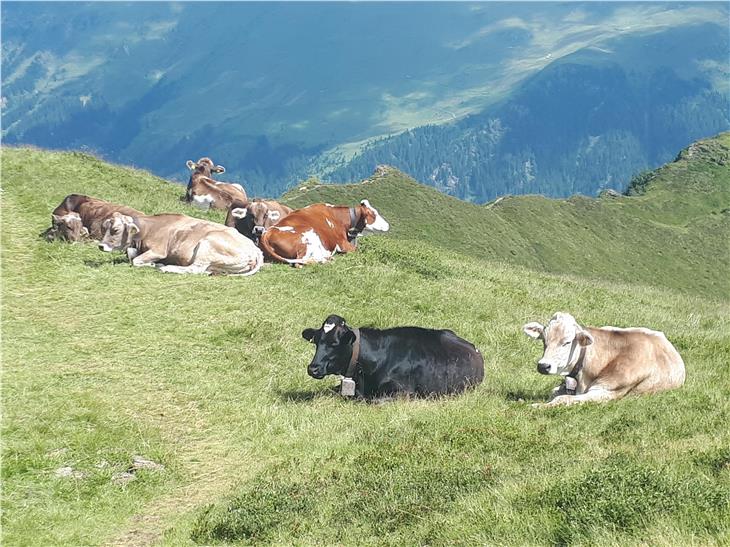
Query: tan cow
x=254, y=218
x=601, y=364
x=78, y=217
x=181, y=244
x=205, y=192
x=316, y=232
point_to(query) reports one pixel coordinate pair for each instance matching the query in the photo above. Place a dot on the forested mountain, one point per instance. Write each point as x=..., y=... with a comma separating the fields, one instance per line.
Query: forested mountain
x=493, y=97
x=587, y=122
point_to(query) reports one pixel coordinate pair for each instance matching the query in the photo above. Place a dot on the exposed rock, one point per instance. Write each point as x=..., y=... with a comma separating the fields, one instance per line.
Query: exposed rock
x=123, y=478
x=65, y=472
x=138, y=462
x=610, y=193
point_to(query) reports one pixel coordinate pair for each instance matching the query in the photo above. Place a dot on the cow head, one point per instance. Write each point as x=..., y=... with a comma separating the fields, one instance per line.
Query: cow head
x=68, y=227
x=334, y=341
x=119, y=230
x=205, y=167
x=372, y=219
x=562, y=340
x=257, y=216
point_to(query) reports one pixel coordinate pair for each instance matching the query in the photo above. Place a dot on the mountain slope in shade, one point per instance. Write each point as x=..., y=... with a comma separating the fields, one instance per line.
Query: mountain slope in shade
x=275, y=91
x=587, y=122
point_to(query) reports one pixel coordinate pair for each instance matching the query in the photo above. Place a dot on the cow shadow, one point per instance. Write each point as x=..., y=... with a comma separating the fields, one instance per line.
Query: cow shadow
x=99, y=263
x=523, y=396
x=304, y=396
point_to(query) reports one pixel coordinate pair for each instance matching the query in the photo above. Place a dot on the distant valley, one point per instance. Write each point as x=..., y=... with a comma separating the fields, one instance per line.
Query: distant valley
x=477, y=100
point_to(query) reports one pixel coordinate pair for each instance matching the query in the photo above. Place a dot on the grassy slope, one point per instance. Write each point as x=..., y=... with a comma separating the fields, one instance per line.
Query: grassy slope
x=207, y=376
x=606, y=238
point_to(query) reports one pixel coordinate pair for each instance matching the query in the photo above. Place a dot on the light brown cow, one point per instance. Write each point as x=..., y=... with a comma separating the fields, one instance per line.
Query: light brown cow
x=205, y=192
x=316, y=232
x=254, y=218
x=181, y=244
x=78, y=217
x=600, y=364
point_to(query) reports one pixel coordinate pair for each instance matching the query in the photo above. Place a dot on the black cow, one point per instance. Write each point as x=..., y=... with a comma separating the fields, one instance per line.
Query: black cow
x=402, y=360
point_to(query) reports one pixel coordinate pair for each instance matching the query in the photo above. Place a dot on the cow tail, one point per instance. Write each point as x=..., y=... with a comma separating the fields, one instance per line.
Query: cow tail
x=268, y=251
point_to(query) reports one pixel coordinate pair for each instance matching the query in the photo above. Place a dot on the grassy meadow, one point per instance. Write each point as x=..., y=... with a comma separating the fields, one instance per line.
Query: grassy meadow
x=207, y=375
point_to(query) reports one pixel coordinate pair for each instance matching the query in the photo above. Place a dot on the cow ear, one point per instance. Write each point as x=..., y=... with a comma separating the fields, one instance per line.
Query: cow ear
x=219, y=169
x=239, y=212
x=56, y=218
x=274, y=215
x=309, y=334
x=584, y=338
x=132, y=228
x=533, y=330
x=191, y=165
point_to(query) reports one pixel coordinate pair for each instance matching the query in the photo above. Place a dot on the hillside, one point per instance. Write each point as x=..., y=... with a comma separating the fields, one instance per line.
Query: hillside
x=586, y=122
x=674, y=235
x=278, y=91
x=207, y=376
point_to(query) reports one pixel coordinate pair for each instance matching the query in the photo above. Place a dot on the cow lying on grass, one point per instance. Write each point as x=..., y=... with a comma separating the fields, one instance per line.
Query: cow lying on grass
x=316, y=232
x=205, y=192
x=600, y=364
x=78, y=217
x=403, y=360
x=181, y=244
x=254, y=218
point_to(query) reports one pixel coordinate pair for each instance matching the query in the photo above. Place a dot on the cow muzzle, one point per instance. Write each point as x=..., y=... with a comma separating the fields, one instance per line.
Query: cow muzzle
x=315, y=371
x=543, y=367
x=258, y=230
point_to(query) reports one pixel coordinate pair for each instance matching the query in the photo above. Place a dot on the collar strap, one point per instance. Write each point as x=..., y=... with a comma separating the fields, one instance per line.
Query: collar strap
x=352, y=367
x=571, y=380
x=352, y=230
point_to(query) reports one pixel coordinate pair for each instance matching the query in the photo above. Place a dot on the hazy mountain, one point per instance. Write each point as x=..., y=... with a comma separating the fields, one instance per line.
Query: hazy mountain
x=277, y=91
x=588, y=121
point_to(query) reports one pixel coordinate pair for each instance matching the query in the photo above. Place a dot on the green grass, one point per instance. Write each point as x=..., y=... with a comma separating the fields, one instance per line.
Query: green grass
x=683, y=219
x=207, y=376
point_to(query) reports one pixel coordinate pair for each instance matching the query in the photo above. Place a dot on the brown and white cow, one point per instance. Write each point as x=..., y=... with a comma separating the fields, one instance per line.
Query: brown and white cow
x=79, y=216
x=181, y=244
x=316, y=232
x=254, y=218
x=601, y=364
x=205, y=192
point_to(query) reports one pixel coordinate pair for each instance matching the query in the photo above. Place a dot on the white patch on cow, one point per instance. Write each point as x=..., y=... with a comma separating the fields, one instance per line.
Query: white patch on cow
x=273, y=215
x=239, y=212
x=329, y=223
x=316, y=252
x=337, y=249
x=379, y=224
x=132, y=253
x=328, y=327
x=329, y=205
x=203, y=201
x=283, y=228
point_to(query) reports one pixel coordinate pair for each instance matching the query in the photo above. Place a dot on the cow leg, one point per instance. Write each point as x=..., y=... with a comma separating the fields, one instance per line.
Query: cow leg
x=146, y=259
x=595, y=395
x=346, y=247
